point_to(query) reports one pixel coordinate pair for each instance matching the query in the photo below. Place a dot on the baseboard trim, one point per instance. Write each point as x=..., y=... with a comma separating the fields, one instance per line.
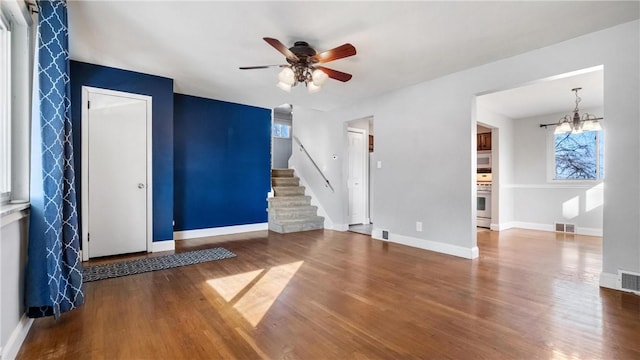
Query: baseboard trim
x=548, y=227
x=11, y=348
x=609, y=281
x=223, y=230
x=502, y=226
x=167, y=245
x=339, y=227
x=455, y=250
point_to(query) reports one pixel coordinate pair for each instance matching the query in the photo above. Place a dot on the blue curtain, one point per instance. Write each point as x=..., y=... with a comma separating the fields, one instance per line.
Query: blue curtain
x=54, y=269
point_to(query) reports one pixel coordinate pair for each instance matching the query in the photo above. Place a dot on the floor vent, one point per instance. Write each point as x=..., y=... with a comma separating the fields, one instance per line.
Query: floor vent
x=566, y=228
x=385, y=234
x=629, y=281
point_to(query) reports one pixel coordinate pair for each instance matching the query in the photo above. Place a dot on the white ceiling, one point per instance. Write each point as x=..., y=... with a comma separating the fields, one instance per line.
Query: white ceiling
x=550, y=96
x=201, y=44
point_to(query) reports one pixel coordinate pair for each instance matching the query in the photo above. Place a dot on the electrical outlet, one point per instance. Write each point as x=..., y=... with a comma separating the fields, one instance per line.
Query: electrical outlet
x=418, y=225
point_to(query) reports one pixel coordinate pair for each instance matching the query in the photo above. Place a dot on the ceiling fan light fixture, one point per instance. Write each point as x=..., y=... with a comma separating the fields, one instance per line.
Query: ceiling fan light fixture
x=287, y=76
x=313, y=88
x=319, y=77
x=284, y=86
x=301, y=67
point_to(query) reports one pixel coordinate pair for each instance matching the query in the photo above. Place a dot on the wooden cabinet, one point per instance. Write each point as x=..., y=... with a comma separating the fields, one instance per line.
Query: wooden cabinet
x=484, y=141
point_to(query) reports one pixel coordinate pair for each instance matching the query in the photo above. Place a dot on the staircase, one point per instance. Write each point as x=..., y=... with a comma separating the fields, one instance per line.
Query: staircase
x=290, y=210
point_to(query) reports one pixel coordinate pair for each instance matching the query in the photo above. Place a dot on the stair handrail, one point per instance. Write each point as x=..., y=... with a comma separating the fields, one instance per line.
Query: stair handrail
x=326, y=181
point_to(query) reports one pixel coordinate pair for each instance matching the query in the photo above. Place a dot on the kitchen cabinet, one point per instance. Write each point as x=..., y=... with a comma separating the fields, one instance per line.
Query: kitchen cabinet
x=484, y=141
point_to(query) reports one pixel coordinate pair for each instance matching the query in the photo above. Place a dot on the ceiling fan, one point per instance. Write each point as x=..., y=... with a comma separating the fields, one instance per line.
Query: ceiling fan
x=303, y=65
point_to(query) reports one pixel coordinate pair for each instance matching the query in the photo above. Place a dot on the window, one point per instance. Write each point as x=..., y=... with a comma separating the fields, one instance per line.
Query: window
x=579, y=156
x=281, y=130
x=5, y=109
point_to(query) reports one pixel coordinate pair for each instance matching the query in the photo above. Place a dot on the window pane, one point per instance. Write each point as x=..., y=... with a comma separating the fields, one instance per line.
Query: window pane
x=601, y=154
x=281, y=131
x=575, y=156
x=482, y=203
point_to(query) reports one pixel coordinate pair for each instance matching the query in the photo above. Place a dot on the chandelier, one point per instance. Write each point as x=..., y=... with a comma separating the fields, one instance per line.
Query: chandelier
x=301, y=73
x=576, y=123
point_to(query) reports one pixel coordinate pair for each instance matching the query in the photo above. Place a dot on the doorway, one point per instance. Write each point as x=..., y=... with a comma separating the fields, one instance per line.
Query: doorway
x=281, y=131
x=359, y=178
x=116, y=177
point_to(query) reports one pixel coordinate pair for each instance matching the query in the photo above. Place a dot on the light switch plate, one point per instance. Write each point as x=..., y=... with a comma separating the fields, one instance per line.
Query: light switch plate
x=379, y=164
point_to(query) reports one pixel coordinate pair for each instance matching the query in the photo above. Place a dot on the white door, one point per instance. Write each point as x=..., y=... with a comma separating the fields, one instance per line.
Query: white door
x=356, y=181
x=116, y=189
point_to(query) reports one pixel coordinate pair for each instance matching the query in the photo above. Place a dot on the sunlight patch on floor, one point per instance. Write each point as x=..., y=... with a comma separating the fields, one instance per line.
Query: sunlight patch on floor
x=230, y=286
x=257, y=300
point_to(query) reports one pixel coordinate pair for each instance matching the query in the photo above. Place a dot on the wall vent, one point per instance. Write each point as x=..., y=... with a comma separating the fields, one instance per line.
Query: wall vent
x=629, y=281
x=566, y=228
x=385, y=234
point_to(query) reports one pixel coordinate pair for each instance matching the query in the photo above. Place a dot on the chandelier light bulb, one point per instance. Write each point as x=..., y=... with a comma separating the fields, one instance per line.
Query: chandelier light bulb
x=565, y=127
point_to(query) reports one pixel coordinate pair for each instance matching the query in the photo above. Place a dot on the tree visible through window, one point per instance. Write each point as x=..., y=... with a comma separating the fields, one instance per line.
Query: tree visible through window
x=579, y=156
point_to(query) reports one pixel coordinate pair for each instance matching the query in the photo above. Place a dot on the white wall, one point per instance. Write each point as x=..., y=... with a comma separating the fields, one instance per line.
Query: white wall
x=539, y=202
x=13, y=255
x=429, y=178
x=322, y=138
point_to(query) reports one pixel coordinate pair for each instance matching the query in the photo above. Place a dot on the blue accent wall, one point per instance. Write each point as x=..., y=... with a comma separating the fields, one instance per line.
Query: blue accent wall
x=221, y=163
x=161, y=89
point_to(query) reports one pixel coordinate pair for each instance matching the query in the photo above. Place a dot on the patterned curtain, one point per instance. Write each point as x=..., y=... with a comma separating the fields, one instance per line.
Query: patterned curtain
x=54, y=273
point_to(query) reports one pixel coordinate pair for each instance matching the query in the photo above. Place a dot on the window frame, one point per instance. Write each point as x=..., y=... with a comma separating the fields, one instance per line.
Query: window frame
x=551, y=161
x=6, y=49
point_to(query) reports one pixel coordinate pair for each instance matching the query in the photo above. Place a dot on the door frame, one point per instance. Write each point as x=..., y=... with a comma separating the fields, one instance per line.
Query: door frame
x=86, y=90
x=365, y=174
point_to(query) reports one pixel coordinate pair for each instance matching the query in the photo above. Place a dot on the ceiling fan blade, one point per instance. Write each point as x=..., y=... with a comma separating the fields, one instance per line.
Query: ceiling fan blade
x=335, y=74
x=340, y=52
x=280, y=47
x=261, y=67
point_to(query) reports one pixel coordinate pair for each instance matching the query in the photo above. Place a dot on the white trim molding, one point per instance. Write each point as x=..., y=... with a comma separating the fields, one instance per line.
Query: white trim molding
x=166, y=245
x=449, y=249
x=609, y=281
x=544, y=227
x=223, y=230
x=557, y=184
x=11, y=348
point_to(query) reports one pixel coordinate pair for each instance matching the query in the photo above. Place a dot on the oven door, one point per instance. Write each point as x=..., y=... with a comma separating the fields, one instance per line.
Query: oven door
x=484, y=204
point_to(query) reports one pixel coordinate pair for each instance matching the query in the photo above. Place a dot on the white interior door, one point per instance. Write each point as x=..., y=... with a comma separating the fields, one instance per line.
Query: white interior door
x=356, y=181
x=115, y=196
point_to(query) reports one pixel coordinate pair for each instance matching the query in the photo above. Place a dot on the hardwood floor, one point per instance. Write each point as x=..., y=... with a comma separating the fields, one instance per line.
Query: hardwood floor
x=336, y=295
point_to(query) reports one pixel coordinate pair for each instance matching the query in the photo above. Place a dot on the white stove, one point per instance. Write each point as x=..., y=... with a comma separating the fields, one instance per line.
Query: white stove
x=483, y=181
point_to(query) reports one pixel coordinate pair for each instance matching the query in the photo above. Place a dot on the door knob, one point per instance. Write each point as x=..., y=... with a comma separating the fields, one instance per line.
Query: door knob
x=140, y=186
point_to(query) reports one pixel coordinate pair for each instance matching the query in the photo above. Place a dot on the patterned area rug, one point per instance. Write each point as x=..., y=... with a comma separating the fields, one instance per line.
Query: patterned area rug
x=131, y=267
